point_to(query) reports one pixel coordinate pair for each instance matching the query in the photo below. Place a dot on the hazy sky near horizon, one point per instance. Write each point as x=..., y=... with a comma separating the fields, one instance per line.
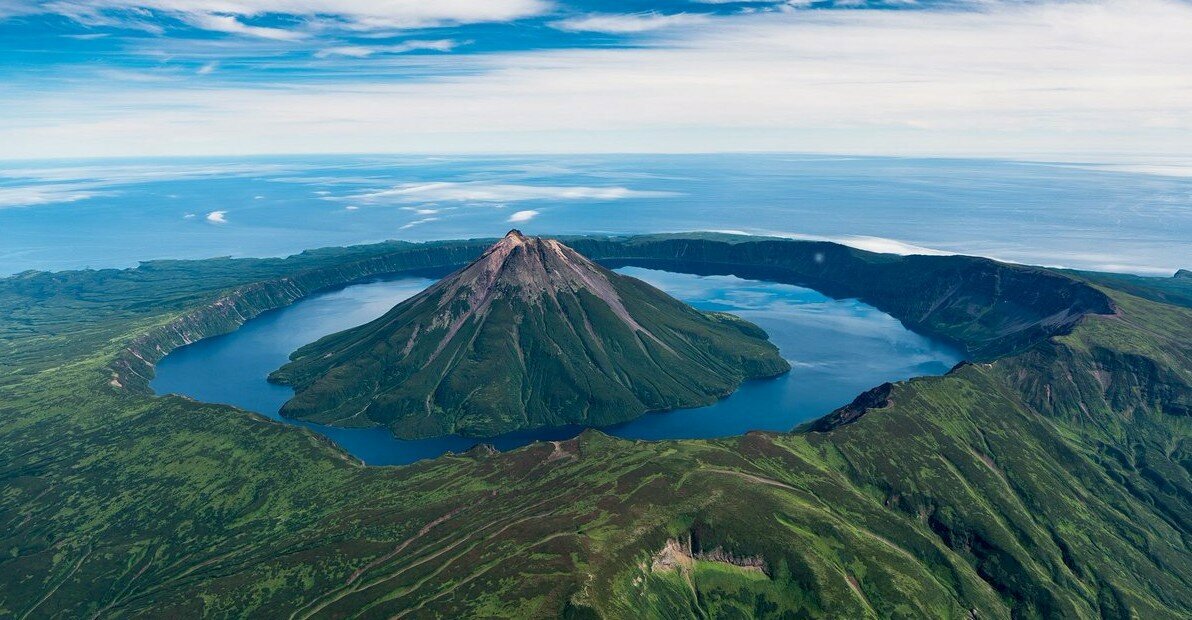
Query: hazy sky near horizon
x=1074, y=79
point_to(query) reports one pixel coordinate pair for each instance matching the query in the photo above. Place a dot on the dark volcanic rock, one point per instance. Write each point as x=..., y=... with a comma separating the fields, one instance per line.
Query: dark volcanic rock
x=875, y=398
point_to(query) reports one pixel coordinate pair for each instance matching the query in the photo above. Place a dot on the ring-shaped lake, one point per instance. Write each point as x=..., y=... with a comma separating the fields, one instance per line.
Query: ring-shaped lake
x=837, y=349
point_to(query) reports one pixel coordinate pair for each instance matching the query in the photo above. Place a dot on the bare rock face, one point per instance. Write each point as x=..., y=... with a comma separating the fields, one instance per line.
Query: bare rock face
x=530, y=334
x=530, y=269
x=681, y=555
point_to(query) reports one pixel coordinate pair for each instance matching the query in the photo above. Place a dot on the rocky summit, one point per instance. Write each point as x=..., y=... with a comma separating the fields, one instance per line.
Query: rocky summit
x=530, y=334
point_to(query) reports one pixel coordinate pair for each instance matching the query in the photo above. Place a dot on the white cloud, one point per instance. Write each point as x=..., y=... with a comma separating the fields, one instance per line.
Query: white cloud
x=34, y=195
x=1158, y=166
x=48, y=184
x=364, y=51
x=1011, y=79
x=217, y=217
x=232, y=25
x=500, y=192
x=881, y=245
x=1058, y=259
x=795, y=3
x=208, y=68
x=523, y=216
x=229, y=15
x=110, y=174
x=627, y=23
x=351, y=208
x=1131, y=268
x=188, y=216
x=419, y=222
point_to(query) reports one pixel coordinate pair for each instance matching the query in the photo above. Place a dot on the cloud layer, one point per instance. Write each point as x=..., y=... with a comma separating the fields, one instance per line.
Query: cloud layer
x=34, y=195
x=498, y=193
x=233, y=16
x=523, y=216
x=365, y=51
x=33, y=185
x=627, y=23
x=1097, y=78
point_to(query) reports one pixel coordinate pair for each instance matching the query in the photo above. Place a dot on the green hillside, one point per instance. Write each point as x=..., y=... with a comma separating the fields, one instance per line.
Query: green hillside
x=530, y=334
x=1048, y=479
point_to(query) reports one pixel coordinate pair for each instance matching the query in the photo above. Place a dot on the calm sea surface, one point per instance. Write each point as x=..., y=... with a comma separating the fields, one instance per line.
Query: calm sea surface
x=837, y=349
x=65, y=215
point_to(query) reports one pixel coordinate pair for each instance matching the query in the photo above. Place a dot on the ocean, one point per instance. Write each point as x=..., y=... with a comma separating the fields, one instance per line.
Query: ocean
x=114, y=213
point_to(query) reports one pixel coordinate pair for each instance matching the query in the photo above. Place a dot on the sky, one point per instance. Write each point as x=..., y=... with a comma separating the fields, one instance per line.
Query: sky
x=1075, y=80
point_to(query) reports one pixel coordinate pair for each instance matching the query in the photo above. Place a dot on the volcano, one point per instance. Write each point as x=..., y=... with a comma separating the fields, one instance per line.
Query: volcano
x=531, y=334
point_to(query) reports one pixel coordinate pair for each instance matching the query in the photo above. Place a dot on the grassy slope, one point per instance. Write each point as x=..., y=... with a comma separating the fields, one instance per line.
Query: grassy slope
x=1052, y=483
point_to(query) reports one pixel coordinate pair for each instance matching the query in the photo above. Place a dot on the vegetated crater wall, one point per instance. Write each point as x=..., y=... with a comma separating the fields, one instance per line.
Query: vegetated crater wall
x=984, y=308
x=133, y=367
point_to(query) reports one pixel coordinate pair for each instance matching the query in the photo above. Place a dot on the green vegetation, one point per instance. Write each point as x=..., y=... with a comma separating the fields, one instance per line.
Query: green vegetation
x=1048, y=479
x=530, y=334
x=1175, y=290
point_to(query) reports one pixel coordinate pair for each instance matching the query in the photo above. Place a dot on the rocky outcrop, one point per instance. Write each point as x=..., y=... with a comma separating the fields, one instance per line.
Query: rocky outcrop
x=681, y=554
x=875, y=398
x=133, y=367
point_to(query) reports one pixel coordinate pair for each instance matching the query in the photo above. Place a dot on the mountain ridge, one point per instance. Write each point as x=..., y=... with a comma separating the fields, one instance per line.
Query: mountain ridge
x=969, y=491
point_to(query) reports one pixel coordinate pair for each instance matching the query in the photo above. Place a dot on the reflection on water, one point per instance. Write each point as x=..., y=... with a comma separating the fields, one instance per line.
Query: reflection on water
x=837, y=349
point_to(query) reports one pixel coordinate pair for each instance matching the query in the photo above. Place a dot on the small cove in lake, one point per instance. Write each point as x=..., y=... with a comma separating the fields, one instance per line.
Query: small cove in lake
x=837, y=348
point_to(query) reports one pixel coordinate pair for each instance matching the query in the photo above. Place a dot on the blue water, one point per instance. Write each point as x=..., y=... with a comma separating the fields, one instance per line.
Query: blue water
x=837, y=349
x=60, y=215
